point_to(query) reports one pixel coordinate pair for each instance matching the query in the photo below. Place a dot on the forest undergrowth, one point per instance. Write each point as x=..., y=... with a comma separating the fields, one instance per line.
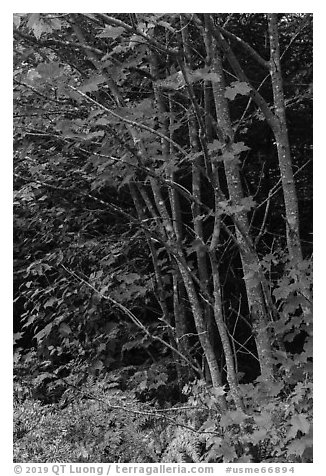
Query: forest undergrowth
x=162, y=237
x=63, y=420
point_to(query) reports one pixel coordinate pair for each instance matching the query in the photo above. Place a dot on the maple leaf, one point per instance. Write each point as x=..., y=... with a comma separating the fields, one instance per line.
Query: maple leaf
x=298, y=423
x=237, y=87
x=111, y=32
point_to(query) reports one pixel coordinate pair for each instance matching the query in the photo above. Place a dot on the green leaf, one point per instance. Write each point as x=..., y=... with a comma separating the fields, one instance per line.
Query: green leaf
x=218, y=391
x=92, y=84
x=246, y=204
x=129, y=278
x=97, y=365
x=111, y=32
x=33, y=18
x=44, y=332
x=196, y=245
x=298, y=423
x=64, y=329
x=229, y=156
x=17, y=336
x=17, y=19
x=174, y=81
x=257, y=436
x=166, y=25
x=49, y=70
x=237, y=87
x=238, y=147
x=216, y=145
x=296, y=447
x=264, y=420
x=56, y=23
x=50, y=302
x=228, y=452
x=38, y=26
x=203, y=74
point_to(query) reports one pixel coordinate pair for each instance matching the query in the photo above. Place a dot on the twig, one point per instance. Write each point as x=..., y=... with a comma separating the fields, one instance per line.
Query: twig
x=278, y=185
x=131, y=316
x=245, y=45
x=137, y=125
x=261, y=231
x=160, y=413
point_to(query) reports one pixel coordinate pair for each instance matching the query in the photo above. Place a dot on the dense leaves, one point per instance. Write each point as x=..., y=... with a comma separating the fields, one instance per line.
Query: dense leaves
x=162, y=237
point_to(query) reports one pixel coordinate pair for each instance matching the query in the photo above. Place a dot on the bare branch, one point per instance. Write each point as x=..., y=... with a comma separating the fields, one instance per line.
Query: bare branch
x=244, y=45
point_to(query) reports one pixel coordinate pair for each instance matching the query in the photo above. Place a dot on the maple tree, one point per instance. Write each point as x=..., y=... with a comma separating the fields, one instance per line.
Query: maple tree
x=159, y=182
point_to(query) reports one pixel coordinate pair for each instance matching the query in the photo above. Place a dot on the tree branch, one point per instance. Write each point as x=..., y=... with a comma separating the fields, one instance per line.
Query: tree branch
x=134, y=124
x=132, y=29
x=235, y=65
x=53, y=42
x=244, y=45
x=132, y=317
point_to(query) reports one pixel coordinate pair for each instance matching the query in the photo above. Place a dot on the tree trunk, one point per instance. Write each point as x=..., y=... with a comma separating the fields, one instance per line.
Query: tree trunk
x=249, y=258
x=283, y=146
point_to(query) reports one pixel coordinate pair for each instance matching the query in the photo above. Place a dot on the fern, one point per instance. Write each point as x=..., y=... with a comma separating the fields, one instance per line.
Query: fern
x=185, y=447
x=84, y=431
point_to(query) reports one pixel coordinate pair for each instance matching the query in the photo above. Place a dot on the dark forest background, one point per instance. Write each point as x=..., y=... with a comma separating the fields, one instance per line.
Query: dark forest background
x=163, y=237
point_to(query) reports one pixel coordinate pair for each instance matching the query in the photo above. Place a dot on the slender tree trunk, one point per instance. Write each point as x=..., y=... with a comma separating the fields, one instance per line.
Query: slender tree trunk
x=283, y=145
x=179, y=292
x=277, y=122
x=218, y=315
x=157, y=272
x=249, y=258
x=196, y=174
x=201, y=328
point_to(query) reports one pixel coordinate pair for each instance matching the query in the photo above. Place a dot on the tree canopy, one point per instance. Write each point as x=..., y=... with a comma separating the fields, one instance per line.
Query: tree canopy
x=163, y=213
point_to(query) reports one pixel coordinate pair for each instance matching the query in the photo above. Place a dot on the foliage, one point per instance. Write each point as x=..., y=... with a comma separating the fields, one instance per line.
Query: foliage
x=275, y=430
x=100, y=423
x=83, y=431
x=154, y=250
